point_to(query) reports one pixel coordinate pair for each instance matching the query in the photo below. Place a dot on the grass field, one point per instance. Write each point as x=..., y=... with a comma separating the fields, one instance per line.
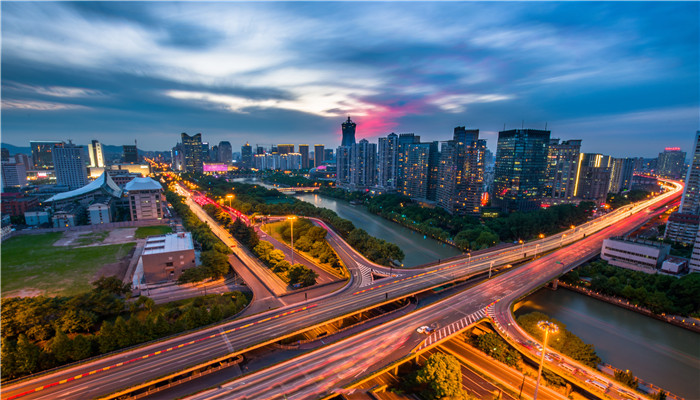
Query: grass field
x=146, y=231
x=32, y=265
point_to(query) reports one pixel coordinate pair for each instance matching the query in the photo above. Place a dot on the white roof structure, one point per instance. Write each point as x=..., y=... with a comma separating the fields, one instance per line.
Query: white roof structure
x=103, y=184
x=137, y=184
x=168, y=243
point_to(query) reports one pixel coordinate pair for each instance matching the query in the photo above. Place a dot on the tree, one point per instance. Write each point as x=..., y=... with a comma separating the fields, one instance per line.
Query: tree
x=76, y=321
x=443, y=377
x=61, y=347
x=106, y=338
x=627, y=378
x=27, y=356
x=81, y=347
x=299, y=274
x=111, y=285
x=8, y=358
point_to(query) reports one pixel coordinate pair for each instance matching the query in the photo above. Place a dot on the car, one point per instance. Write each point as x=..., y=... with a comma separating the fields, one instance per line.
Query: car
x=426, y=330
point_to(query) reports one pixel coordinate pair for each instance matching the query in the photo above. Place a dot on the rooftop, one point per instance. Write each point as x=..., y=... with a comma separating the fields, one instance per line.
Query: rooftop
x=143, y=184
x=103, y=183
x=167, y=243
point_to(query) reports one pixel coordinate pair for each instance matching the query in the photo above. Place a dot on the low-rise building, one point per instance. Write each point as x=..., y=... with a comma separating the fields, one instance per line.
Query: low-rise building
x=635, y=254
x=682, y=227
x=61, y=219
x=36, y=217
x=145, y=199
x=674, y=265
x=15, y=204
x=99, y=213
x=165, y=257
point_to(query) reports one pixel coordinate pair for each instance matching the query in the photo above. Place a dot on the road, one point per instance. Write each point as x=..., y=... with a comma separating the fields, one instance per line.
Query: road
x=122, y=370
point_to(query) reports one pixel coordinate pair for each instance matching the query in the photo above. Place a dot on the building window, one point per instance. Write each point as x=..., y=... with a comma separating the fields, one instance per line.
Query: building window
x=169, y=264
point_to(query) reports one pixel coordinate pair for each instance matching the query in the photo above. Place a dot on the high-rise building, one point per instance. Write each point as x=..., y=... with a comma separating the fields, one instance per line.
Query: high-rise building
x=343, y=161
x=13, y=175
x=671, y=163
x=214, y=154
x=131, y=153
x=328, y=155
x=461, y=173
x=621, y=175
x=247, y=156
x=304, y=151
x=319, y=155
x=206, y=152
x=388, y=161
x=24, y=160
x=593, y=178
x=420, y=170
x=521, y=169
x=225, y=152
x=683, y=225
x=363, y=164
x=285, y=148
x=192, y=148
x=96, y=156
x=348, y=133
x=562, y=166
x=178, y=158
x=42, y=153
x=69, y=163
x=404, y=140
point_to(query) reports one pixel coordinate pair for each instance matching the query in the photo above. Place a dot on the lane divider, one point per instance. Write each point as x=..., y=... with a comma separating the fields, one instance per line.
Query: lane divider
x=40, y=388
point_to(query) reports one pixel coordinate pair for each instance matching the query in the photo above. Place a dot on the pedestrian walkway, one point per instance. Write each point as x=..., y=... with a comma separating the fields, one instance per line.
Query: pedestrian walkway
x=452, y=329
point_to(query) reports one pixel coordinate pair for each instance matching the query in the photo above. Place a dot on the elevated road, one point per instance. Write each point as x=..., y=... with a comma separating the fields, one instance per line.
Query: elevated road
x=126, y=369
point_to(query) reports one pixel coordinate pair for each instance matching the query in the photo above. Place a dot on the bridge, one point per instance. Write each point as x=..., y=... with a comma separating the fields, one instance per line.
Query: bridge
x=323, y=371
x=298, y=189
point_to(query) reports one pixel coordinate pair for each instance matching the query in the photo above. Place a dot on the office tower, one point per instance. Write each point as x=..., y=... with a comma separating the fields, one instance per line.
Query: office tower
x=363, y=164
x=69, y=163
x=343, y=166
x=671, y=163
x=178, y=158
x=593, y=178
x=214, y=154
x=420, y=170
x=225, y=152
x=521, y=169
x=461, y=173
x=387, y=162
x=14, y=174
x=464, y=135
x=562, y=166
x=247, y=156
x=621, y=175
x=131, y=154
x=42, y=153
x=404, y=140
x=23, y=159
x=4, y=154
x=319, y=155
x=683, y=225
x=192, y=146
x=348, y=133
x=328, y=155
x=206, y=152
x=285, y=148
x=304, y=151
x=96, y=156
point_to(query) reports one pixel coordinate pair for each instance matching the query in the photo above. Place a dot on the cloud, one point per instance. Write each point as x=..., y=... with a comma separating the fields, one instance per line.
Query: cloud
x=456, y=103
x=53, y=91
x=35, y=105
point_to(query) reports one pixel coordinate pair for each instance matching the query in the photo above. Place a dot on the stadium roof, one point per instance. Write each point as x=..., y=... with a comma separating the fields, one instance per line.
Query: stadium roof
x=103, y=183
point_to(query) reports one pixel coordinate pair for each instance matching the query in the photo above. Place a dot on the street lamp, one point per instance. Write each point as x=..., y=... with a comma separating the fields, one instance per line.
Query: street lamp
x=561, y=242
x=522, y=246
x=469, y=262
x=291, y=219
x=547, y=327
x=229, y=197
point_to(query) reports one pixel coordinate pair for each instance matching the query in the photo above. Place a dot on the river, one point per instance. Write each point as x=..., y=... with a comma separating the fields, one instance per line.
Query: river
x=659, y=353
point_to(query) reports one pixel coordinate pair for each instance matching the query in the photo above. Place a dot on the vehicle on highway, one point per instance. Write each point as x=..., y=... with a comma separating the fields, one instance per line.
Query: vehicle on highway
x=626, y=394
x=598, y=384
x=426, y=330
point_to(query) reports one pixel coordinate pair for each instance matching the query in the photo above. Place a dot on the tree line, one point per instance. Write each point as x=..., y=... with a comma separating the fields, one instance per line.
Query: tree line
x=311, y=239
x=40, y=333
x=657, y=292
x=257, y=200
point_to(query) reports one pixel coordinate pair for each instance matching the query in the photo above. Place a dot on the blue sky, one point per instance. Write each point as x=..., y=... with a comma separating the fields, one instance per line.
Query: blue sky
x=621, y=76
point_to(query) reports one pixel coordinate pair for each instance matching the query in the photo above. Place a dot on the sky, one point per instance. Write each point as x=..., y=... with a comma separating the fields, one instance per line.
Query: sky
x=623, y=77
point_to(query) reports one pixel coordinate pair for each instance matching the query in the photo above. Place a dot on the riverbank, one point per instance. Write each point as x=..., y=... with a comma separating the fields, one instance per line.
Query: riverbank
x=683, y=322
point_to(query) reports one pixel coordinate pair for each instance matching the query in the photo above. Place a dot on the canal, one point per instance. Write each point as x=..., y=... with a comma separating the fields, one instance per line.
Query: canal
x=659, y=353
x=417, y=248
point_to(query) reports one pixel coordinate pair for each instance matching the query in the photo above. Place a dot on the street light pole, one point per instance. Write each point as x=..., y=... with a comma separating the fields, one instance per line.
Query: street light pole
x=547, y=327
x=490, y=266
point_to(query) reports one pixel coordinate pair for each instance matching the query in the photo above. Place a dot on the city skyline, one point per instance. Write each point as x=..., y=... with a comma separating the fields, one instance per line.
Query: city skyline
x=238, y=72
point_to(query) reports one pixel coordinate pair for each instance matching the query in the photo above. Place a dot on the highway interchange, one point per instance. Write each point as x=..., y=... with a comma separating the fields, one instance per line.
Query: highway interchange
x=330, y=367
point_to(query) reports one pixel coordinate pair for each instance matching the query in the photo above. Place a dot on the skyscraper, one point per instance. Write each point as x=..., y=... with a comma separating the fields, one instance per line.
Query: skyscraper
x=363, y=164
x=304, y=151
x=214, y=154
x=461, y=173
x=348, y=133
x=14, y=174
x=206, y=152
x=343, y=162
x=42, y=153
x=420, y=170
x=285, y=148
x=671, y=163
x=328, y=155
x=319, y=155
x=131, y=154
x=192, y=148
x=521, y=169
x=247, y=156
x=96, y=156
x=683, y=225
x=562, y=166
x=404, y=140
x=593, y=178
x=225, y=152
x=69, y=163
x=621, y=175
x=178, y=158
x=387, y=162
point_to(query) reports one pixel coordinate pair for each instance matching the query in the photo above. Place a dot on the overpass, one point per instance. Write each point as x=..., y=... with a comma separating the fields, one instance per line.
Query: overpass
x=328, y=367
x=298, y=189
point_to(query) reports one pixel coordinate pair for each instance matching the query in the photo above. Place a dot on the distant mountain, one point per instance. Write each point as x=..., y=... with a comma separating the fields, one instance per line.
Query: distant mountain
x=16, y=149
